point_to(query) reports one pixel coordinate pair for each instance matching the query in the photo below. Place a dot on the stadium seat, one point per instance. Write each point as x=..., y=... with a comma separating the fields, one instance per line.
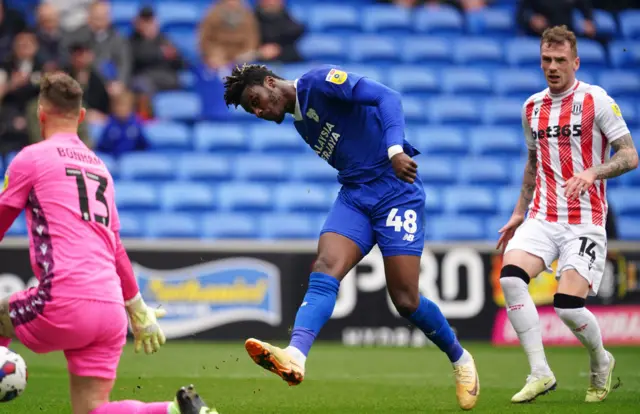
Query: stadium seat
x=187, y=79
x=177, y=14
x=492, y=22
x=131, y=225
x=455, y=228
x=625, y=54
x=508, y=198
x=517, y=171
x=494, y=224
x=502, y=111
x=630, y=111
x=109, y=161
x=625, y=200
x=274, y=138
x=136, y=196
x=95, y=130
x=435, y=51
x=299, y=12
x=287, y=226
x=619, y=84
x=327, y=19
x=433, y=200
x=369, y=71
x=387, y=19
x=229, y=226
x=185, y=39
x=440, y=141
x=414, y=109
x=592, y=55
x=443, y=21
x=18, y=227
x=305, y=198
x=629, y=228
x=413, y=80
x=485, y=171
x=123, y=13
x=244, y=197
x=630, y=23
x=523, y=51
x=519, y=83
x=470, y=51
x=147, y=166
x=260, y=168
x=178, y=105
x=172, y=225
x=203, y=167
x=437, y=170
x=312, y=168
x=323, y=48
x=453, y=111
x=185, y=196
x=220, y=138
x=168, y=135
x=496, y=141
x=604, y=21
x=586, y=76
x=295, y=70
x=470, y=82
x=373, y=49
x=469, y=200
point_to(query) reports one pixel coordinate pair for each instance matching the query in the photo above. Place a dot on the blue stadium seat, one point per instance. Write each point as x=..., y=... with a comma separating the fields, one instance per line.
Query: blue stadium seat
x=326, y=19
x=497, y=141
x=453, y=111
x=620, y=84
x=203, y=167
x=261, y=168
x=520, y=83
x=229, y=226
x=215, y=137
x=19, y=226
x=295, y=70
x=437, y=170
x=435, y=51
x=440, y=141
x=469, y=200
x=245, y=197
x=630, y=24
x=369, y=71
x=517, y=171
x=485, y=171
x=624, y=200
x=493, y=22
x=470, y=51
x=502, y=111
x=455, y=228
x=586, y=76
x=508, y=198
x=299, y=12
x=95, y=130
x=168, y=135
x=177, y=14
x=629, y=227
x=523, y=51
x=323, y=48
x=373, y=49
x=123, y=13
x=131, y=225
x=187, y=79
x=458, y=81
x=135, y=196
x=494, y=224
x=413, y=80
x=433, y=199
x=109, y=161
x=387, y=19
x=604, y=21
x=312, y=168
x=444, y=21
x=179, y=105
x=592, y=55
x=307, y=198
x=147, y=166
x=287, y=226
x=275, y=138
x=629, y=111
x=624, y=54
x=414, y=109
x=172, y=225
x=185, y=196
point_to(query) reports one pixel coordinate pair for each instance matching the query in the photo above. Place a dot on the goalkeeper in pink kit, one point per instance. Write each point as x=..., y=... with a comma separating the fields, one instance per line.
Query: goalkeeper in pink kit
x=87, y=290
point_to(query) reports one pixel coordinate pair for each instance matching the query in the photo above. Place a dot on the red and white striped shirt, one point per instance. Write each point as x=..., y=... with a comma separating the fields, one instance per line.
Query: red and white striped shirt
x=571, y=132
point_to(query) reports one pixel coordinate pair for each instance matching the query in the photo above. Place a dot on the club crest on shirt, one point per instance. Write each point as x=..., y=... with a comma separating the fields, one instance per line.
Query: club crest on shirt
x=577, y=108
x=336, y=76
x=616, y=110
x=312, y=114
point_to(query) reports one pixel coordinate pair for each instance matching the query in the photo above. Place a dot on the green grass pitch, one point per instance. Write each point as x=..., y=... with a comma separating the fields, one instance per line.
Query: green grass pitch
x=339, y=380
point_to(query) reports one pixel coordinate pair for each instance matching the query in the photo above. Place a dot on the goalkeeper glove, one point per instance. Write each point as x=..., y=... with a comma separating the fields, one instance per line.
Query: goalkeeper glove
x=144, y=325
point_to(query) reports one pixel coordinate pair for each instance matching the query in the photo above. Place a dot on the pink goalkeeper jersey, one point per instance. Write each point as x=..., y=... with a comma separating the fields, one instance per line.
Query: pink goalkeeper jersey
x=68, y=196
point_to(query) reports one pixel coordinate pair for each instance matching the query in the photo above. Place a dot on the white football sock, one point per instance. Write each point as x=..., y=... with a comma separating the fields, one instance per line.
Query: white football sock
x=297, y=355
x=523, y=315
x=585, y=327
x=465, y=358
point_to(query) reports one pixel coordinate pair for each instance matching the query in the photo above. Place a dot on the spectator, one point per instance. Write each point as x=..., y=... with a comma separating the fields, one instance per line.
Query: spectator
x=112, y=53
x=278, y=31
x=73, y=13
x=50, y=37
x=534, y=16
x=19, y=85
x=123, y=131
x=231, y=26
x=96, y=98
x=11, y=23
x=209, y=84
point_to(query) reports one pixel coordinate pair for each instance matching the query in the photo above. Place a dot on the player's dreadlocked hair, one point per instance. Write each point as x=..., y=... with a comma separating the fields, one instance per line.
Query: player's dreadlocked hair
x=243, y=77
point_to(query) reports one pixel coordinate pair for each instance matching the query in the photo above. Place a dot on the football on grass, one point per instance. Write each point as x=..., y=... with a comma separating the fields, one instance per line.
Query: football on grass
x=13, y=375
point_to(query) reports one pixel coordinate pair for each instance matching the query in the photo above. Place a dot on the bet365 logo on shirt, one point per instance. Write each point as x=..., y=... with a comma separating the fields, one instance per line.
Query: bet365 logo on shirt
x=336, y=76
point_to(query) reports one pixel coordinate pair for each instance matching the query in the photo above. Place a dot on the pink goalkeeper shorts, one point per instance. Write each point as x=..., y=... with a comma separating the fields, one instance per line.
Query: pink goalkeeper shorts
x=91, y=333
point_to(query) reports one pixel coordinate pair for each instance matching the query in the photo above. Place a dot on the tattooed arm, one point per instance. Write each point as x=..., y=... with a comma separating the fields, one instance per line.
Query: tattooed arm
x=528, y=184
x=6, y=326
x=624, y=159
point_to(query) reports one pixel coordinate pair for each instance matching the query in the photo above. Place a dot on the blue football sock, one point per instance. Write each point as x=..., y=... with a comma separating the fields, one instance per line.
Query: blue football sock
x=432, y=322
x=315, y=311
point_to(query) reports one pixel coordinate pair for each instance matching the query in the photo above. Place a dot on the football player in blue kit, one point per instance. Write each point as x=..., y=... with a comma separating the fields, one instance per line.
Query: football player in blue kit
x=357, y=126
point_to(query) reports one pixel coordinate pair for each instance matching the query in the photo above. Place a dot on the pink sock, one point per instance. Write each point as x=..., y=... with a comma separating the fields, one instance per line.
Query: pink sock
x=132, y=407
x=5, y=341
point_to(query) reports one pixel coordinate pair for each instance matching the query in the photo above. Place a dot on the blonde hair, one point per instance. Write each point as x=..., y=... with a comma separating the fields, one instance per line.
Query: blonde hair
x=558, y=35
